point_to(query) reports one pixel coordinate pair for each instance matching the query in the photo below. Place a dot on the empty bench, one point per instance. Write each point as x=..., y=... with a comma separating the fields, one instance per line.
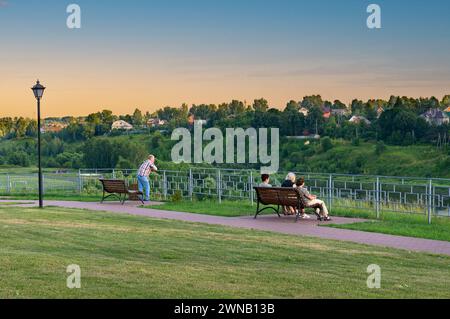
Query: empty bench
x=119, y=189
x=278, y=196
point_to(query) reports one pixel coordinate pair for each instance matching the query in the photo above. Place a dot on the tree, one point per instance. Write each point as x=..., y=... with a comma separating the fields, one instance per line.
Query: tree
x=312, y=101
x=315, y=119
x=203, y=111
x=21, y=127
x=260, y=105
x=445, y=101
x=338, y=105
x=326, y=144
x=31, y=129
x=293, y=119
x=236, y=108
x=357, y=107
x=137, y=117
x=99, y=153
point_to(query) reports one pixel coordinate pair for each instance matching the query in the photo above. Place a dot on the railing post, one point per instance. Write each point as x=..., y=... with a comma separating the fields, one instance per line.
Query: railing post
x=430, y=201
x=114, y=174
x=191, y=184
x=219, y=186
x=377, y=197
x=80, y=182
x=8, y=184
x=330, y=191
x=251, y=187
x=165, y=185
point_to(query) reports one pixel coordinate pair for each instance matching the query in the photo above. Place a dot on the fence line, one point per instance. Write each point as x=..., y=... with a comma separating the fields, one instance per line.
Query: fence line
x=378, y=194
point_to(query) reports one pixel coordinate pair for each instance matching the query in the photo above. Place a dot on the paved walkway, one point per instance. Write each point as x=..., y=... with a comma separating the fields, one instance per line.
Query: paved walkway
x=272, y=223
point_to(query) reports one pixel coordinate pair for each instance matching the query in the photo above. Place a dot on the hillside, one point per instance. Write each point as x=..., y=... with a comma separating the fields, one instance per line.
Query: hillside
x=343, y=157
x=325, y=156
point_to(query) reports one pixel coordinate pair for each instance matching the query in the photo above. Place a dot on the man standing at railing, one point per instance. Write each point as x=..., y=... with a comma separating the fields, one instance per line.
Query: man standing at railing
x=143, y=173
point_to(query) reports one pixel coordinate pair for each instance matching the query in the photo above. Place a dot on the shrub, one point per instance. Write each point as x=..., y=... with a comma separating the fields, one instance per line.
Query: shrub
x=177, y=196
x=326, y=144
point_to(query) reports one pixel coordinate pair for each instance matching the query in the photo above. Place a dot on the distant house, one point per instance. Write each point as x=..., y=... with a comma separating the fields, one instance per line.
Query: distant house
x=327, y=112
x=435, y=117
x=447, y=111
x=304, y=111
x=53, y=127
x=156, y=123
x=121, y=125
x=356, y=119
x=379, y=112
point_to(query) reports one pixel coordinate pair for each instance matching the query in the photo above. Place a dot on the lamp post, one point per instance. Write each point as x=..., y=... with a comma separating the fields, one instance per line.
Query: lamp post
x=38, y=91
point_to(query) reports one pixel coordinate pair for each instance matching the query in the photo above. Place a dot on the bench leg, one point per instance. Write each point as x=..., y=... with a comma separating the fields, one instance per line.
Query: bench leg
x=278, y=211
x=124, y=199
x=257, y=210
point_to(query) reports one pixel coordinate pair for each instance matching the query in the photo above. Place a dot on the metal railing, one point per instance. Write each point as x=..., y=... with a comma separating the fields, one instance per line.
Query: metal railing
x=379, y=194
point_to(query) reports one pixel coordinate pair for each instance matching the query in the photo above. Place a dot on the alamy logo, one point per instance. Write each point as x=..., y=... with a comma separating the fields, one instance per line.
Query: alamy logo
x=231, y=149
x=374, y=279
x=74, y=18
x=74, y=279
x=374, y=20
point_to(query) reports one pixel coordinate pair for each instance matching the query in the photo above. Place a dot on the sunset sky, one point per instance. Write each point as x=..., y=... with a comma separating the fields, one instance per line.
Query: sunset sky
x=149, y=54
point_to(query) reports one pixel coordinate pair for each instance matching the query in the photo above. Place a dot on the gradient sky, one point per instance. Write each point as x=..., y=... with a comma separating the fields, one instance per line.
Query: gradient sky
x=152, y=53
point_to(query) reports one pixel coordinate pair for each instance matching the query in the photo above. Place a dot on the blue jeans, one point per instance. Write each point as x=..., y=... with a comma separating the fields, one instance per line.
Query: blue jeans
x=143, y=183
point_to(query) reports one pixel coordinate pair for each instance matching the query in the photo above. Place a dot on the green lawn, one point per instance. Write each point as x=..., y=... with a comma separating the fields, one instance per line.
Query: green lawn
x=124, y=256
x=211, y=207
x=14, y=203
x=56, y=196
x=409, y=225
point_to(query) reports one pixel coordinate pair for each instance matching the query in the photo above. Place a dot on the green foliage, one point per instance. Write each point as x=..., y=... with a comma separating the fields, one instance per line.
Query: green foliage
x=177, y=196
x=380, y=148
x=326, y=144
x=356, y=141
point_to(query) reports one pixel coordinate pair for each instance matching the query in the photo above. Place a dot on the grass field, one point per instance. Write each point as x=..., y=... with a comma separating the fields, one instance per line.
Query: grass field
x=56, y=196
x=124, y=256
x=390, y=223
x=209, y=207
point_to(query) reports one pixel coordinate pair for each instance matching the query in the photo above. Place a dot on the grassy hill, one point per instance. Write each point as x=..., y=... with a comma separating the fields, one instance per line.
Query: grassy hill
x=344, y=157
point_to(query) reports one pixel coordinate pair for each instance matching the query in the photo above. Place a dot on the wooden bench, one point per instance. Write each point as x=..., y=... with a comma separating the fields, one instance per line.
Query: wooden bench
x=119, y=189
x=279, y=196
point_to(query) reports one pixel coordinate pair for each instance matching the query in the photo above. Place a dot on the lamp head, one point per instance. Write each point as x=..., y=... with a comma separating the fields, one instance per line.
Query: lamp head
x=38, y=90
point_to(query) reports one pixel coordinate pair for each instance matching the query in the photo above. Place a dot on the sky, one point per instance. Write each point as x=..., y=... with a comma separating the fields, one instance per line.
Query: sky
x=153, y=53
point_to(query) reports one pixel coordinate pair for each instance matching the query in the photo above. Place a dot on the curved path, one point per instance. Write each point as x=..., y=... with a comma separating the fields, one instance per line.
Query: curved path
x=283, y=225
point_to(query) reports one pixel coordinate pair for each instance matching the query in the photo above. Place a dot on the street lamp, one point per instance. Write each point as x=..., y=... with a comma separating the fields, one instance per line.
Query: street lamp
x=38, y=91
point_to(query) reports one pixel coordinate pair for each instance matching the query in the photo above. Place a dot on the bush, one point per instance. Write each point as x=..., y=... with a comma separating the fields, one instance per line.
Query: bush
x=380, y=148
x=326, y=144
x=177, y=196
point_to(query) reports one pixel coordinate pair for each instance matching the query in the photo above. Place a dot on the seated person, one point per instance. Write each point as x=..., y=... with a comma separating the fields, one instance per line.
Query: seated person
x=289, y=182
x=311, y=201
x=265, y=181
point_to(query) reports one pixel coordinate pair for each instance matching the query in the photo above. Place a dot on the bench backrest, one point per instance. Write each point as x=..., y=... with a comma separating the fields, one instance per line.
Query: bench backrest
x=117, y=186
x=278, y=196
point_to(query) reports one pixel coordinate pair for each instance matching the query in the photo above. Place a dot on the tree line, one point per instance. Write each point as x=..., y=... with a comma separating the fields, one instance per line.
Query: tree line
x=85, y=142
